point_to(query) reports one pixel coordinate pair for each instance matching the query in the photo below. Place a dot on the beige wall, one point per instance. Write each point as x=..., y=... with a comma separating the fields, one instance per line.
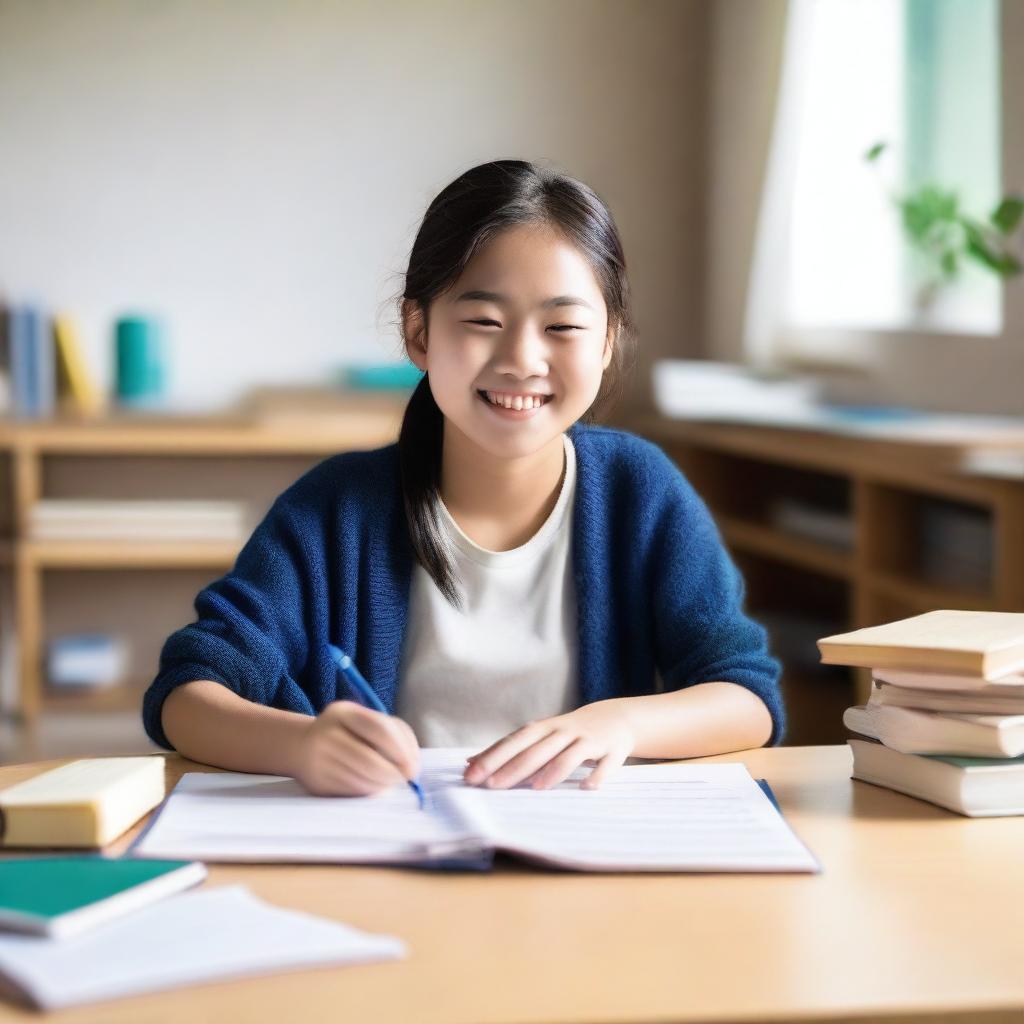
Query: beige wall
x=255, y=170
x=930, y=371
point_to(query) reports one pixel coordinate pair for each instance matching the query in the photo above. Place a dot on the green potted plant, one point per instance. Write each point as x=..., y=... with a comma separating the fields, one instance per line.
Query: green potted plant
x=947, y=237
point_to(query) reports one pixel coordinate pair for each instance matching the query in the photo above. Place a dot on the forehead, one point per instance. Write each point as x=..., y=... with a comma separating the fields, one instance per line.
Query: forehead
x=530, y=263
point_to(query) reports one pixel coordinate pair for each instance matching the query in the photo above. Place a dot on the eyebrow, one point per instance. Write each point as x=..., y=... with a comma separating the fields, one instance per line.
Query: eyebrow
x=558, y=300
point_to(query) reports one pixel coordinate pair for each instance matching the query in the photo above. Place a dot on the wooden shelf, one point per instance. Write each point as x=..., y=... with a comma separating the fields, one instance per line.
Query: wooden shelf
x=124, y=697
x=739, y=470
x=923, y=596
x=299, y=426
x=54, y=554
x=743, y=472
x=771, y=542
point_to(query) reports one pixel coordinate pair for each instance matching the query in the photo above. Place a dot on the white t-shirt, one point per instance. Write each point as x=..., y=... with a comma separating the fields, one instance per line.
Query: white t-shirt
x=468, y=678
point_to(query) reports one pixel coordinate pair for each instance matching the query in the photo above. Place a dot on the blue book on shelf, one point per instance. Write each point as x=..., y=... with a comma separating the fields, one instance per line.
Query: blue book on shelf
x=22, y=372
x=46, y=365
x=33, y=369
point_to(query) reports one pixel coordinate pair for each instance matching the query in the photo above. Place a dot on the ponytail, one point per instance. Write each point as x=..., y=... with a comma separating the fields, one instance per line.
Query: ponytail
x=420, y=445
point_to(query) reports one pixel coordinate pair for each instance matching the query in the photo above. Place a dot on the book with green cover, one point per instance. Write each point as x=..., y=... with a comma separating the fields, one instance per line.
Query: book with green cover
x=62, y=896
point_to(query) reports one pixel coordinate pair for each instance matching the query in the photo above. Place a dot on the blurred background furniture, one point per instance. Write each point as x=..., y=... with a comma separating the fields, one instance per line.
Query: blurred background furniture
x=834, y=533
x=143, y=589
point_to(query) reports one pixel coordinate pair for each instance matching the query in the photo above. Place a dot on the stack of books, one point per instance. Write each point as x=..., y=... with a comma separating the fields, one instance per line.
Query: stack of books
x=945, y=718
x=82, y=927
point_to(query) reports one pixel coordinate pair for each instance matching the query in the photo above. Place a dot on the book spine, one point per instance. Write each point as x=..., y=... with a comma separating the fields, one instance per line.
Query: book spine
x=21, y=368
x=46, y=368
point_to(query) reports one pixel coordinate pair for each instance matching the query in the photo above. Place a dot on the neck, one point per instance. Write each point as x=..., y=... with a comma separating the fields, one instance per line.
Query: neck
x=499, y=502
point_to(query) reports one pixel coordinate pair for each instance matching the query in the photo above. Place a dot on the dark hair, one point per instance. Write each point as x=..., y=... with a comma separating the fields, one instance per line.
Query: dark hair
x=462, y=218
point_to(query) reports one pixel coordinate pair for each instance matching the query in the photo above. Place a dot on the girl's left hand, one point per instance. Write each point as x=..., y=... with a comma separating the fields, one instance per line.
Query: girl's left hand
x=548, y=750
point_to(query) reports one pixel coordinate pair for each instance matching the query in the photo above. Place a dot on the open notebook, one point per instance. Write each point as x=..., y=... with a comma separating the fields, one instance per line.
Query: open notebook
x=643, y=817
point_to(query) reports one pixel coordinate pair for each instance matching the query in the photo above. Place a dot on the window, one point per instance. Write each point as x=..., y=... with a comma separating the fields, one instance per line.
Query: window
x=923, y=76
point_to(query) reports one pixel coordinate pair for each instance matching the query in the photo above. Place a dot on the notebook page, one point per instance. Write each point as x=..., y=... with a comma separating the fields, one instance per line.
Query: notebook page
x=649, y=817
x=233, y=816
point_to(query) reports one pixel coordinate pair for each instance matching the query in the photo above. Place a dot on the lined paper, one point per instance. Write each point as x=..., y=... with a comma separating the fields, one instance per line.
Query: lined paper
x=644, y=817
x=650, y=817
x=232, y=816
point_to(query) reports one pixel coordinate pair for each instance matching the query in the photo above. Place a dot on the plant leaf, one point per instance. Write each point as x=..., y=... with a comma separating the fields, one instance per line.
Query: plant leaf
x=925, y=208
x=1007, y=215
x=996, y=258
x=876, y=151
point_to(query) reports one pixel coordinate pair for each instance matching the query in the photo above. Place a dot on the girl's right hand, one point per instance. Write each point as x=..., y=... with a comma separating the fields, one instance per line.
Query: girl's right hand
x=351, y=750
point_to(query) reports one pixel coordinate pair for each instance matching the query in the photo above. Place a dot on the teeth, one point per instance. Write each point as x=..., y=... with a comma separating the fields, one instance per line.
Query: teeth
x=515, y=402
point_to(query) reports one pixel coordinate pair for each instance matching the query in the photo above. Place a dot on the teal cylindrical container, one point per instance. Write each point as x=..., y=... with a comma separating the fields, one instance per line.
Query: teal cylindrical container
x=139, y=360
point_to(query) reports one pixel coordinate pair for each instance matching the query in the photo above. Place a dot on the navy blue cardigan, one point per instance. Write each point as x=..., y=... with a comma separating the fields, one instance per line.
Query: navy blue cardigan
x=331, y=562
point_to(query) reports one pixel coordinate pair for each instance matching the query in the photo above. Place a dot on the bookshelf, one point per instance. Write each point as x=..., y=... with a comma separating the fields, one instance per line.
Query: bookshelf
x=920, y=533
x=252, y=455
x=863, y=555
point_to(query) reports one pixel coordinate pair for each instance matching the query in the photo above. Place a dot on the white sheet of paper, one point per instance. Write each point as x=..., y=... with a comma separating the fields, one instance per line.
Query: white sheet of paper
x=195, y=936
x=644, y=817
x=230, y=816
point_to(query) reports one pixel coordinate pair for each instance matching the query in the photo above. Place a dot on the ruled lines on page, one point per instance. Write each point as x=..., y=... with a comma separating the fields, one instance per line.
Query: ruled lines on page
x=651, y=817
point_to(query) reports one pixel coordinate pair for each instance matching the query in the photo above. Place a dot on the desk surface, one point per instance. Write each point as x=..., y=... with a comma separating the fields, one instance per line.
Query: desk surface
x=917, y=916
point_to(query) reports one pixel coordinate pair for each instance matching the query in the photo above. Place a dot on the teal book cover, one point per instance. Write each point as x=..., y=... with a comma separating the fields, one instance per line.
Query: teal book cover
x=63, y=895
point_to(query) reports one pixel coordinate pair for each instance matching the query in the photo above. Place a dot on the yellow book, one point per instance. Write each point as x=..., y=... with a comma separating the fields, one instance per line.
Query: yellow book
x=84, y=803
x=984, y=644
x=75, y=383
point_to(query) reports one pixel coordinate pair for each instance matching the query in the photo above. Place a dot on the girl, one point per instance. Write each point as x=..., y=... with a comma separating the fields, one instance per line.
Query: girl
x=507, y=576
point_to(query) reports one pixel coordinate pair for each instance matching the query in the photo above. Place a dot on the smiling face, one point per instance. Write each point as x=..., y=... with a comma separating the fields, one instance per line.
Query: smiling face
x=526, y=322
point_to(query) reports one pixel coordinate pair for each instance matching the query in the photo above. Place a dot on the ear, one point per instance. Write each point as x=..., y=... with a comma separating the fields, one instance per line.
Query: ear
x=609, y=347
x=414, y=333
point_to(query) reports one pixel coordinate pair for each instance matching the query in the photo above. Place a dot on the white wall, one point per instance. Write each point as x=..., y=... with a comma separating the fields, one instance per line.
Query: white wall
x=255, y=170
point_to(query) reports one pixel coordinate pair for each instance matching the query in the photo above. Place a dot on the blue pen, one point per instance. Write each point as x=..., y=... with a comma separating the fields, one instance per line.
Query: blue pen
x=364, y=695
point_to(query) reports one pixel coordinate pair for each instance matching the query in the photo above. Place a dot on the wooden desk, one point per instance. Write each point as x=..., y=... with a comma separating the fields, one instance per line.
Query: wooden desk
x=918, y=916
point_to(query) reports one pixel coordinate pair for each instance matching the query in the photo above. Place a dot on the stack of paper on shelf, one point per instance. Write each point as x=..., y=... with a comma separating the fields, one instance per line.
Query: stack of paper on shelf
x=137, y=519
x=86, y=661
x=945, y=718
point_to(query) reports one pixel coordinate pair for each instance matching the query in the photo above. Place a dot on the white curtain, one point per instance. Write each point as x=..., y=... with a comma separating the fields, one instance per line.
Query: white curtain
x=765, y=296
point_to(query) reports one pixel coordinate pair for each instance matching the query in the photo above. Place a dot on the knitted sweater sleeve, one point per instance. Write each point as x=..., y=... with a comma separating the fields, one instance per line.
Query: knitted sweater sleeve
x=251, y=631
x=702, y=633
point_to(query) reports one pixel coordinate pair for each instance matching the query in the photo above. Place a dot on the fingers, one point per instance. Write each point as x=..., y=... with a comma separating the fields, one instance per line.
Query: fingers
x=497, y=754
x=339, y=776
x=560, y=767
x=331, y=775
x=605, y=765
x=391, y=739
x=364, y=762
x=524, y=764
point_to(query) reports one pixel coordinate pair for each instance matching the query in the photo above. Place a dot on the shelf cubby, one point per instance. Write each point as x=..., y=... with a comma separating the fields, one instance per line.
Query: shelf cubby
x=895, y=528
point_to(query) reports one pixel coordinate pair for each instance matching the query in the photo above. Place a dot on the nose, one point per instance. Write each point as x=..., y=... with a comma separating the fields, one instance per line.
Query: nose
x=522, y=353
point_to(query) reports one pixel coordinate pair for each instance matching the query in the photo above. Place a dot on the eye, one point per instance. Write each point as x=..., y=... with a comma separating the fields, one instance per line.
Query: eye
x=565, y=327
x=483, y=323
